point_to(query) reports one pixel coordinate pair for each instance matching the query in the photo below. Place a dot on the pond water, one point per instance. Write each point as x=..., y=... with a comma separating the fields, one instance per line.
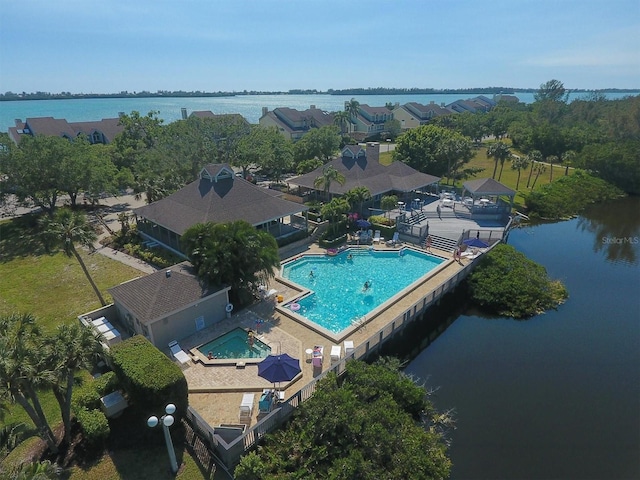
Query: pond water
x=558, y=395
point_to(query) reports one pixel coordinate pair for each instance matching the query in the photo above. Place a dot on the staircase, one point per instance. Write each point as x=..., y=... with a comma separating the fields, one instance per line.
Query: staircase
x=442, y=243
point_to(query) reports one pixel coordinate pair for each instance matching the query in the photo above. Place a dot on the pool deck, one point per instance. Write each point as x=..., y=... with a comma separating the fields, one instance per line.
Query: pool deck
x=215, y=391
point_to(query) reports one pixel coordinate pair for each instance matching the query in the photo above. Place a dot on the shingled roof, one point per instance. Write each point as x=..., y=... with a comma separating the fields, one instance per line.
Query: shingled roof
x=159, y=294
x=218, y=196
x=360, y=172
x=487, y=186
x=58, y=127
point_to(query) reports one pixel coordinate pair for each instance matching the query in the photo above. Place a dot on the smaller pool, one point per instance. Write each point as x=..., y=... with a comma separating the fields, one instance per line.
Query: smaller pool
x=235, y=344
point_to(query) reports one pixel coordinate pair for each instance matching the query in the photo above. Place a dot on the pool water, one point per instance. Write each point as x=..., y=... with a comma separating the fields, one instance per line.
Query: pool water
x=339, y=300
x=235, y=344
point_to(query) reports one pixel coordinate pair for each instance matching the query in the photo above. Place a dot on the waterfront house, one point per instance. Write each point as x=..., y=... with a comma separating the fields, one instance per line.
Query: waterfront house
x=101, y=131
x=168, y=305
x=361, y=167
x=413, y=114
x=370, y=120
x=218, y=195
x=292, y=123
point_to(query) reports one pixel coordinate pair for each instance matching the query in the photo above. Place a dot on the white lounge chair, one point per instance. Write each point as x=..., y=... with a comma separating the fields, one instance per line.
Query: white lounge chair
x=336, y=353
x=376, y=237
x=246, y=408
x=348, y=347
x=179, y=354
x=394, y=241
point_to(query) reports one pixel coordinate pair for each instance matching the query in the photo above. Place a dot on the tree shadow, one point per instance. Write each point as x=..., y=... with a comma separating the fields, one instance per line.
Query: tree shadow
x=19, y=237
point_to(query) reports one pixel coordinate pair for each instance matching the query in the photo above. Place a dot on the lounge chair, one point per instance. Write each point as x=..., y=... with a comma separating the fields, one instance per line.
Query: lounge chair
x=395, y=240
x=348, y=347
x=246, y=408
x=179, y=354
x=336, y=353
x=376, y=237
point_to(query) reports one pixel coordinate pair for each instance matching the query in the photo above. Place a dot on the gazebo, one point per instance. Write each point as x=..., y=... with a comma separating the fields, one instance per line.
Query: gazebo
x=487, y=197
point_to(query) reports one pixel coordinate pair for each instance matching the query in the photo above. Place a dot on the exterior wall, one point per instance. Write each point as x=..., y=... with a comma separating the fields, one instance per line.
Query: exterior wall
x=406, y=119
x=268, y=121
x=182, y=324
x=178, y=325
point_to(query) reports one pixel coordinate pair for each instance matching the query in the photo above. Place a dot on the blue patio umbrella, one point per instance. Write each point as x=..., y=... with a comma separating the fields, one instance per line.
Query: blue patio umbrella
x=363, y=223
x=475, y=242
x=279, y=368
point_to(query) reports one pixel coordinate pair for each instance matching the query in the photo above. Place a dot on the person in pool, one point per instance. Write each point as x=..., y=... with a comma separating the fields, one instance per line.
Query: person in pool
x=366, y=286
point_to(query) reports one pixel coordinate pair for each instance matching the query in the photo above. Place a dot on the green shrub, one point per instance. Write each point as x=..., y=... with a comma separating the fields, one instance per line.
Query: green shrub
x=94, y=424
x=508, y=283
x=149, y=377
x=85, y=396
x=106, y=383
x=569, y=195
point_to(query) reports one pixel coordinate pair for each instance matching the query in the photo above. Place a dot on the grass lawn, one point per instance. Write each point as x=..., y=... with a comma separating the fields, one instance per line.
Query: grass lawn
x=55, y=290
x=509, y=177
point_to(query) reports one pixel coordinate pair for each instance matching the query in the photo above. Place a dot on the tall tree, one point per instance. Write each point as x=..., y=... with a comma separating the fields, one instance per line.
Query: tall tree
x=72, y=348
x=342, y=120
x=433, y=149
x=388, y=202
x=140, y=133
x=329, y=175
x=23, y=372
x=352, y=107
x=66, y=229
x=499, y=151
x=534, y=157
x=519, y=163
x=357, y=196
x=335, y=209
x=34, y=170
x=552, y=90
x=234, y=254
x=322, y=143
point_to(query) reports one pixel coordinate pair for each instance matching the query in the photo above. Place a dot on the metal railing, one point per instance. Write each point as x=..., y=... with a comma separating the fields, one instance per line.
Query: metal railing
x=230, y=453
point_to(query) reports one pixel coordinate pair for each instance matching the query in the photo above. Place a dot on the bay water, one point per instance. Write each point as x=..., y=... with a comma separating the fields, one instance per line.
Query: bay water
x=249, y=106
x=556, y=396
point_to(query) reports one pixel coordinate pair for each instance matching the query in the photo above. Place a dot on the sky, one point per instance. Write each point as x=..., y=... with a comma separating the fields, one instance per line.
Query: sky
x=88, y=46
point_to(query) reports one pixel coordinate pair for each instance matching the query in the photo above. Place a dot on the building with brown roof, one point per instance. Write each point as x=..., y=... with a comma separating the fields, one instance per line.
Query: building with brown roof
x=361, y=167
x=292, y=123
x=218, y=196
x=168, y=305
x=101, y=131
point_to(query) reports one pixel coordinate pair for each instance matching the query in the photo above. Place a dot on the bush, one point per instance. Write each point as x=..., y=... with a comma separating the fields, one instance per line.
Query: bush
x=569, y=195
x=106, y=383
x=149, y=377
x=508, y=283
x=95, y=426
x=86, y=396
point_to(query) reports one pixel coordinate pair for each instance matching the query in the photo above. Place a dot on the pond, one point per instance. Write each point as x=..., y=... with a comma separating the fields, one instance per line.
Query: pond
x=555, y=396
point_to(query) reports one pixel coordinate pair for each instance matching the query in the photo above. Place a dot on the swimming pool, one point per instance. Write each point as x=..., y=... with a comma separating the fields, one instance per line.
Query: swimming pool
x=235, y=344
x=338, y=299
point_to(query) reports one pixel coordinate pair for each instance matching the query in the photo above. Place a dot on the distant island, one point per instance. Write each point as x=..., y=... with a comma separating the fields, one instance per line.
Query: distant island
x=11, y=96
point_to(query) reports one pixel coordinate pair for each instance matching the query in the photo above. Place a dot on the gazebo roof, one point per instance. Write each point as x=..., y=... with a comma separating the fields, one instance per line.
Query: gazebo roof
x=487, y=186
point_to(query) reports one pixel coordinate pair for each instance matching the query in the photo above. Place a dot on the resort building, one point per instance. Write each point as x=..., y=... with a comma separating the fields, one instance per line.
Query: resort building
x=361, y=167
x=102, y=131
x=219, y=196
x=413, y=114
x=292, y=123
x=168, y=305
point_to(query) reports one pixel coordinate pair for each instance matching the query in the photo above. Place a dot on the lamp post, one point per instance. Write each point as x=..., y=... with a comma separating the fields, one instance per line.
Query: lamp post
x=166, y=420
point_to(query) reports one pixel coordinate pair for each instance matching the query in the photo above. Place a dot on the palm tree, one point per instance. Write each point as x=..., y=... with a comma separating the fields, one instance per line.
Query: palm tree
x=44, y=470
x=73, y=348
x=23, y=371
x=499, y=152
x=341, y=119
x=567, y=157
x=540, y=169
x=64, y=230
x=551, y=159
x=335, y=208
x=352, y=107
x=358, y=195
x=329, y=174
x=519, y=163
x=534, y=157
